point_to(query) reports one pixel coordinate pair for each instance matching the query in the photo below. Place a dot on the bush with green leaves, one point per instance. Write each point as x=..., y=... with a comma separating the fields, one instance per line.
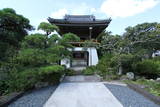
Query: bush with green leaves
x=104, y=65
x=37, y=60
x=51, y=69
x=22, y=80
x=149, y=85
x=91, y=70
x=70, y=72
x=3, y=87
x=30, y=57
x=125, y=61
x=149, y=68
x=34, y=41
x=28, y=77
x=13, y=29
x=51, y=73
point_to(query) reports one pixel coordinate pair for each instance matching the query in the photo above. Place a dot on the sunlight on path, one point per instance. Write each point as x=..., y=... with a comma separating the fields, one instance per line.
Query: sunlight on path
x=82, y=95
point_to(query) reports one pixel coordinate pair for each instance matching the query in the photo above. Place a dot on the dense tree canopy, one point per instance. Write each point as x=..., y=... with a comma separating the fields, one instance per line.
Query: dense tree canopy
x=144, y=36
x=13, y=28
x=47, y=27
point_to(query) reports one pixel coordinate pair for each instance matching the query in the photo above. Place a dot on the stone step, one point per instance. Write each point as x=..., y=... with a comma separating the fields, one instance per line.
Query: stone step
x=82, y=78
x=78, y=68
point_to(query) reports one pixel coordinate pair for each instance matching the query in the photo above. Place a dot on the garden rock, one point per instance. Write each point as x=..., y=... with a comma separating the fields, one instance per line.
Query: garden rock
x=152, y=80
x=158, y=79
x=130, y=75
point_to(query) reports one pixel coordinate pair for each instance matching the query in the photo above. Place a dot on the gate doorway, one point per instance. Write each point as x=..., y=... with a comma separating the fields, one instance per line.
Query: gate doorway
x=79, y=59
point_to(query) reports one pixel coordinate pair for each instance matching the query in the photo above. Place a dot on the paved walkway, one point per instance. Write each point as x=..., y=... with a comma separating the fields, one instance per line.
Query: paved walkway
x=86, y=94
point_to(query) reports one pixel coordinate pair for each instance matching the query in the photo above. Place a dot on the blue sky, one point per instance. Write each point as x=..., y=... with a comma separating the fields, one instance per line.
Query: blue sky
x=124, y=13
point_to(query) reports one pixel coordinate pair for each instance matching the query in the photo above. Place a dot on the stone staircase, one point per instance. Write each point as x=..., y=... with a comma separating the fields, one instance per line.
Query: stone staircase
x=82, y=78
x=78, y=70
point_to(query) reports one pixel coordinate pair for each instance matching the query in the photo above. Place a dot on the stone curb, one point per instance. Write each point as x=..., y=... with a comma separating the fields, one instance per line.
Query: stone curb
x=6, y=100
x=146, y=94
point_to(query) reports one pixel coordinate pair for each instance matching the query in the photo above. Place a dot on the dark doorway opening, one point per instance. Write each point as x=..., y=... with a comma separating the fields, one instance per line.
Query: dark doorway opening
x=79, y=58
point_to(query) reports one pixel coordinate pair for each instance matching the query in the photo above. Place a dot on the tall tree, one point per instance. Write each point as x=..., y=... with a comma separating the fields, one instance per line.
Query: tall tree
x=144, y=36
x=109, y=43
x=47, y=27
x=13, y=28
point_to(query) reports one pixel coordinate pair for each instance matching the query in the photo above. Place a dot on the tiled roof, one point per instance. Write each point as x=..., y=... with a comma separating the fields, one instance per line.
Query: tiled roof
x=80, y=18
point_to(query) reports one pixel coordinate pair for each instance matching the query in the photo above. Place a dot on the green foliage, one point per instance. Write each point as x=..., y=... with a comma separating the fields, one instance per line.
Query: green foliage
x=13, y=28
x=110, y=43
x=90, y=43
x=3, y=87
x=150, y=86
x=51, y=74
x=22, y=80
x=124, y=60
x=38, y=57
x=143, y=36
x=53, y=40
x=34, y=41
x=30, y=57
x=51, y=69
x=70, y=37
x=157, y=58
x=26, y=78
x=70, y=72
x=47, y=27
x=104, y=68
x=91, y=70
x=67, y=38
x=104, y=65
x=148, y=68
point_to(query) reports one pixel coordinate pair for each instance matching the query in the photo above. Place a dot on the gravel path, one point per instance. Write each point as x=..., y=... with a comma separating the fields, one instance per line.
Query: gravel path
x=34, y=99
x=128, y=97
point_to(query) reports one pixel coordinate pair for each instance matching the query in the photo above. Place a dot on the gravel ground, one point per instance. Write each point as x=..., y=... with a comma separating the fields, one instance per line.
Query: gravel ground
x=35, y=98
x=128, y=97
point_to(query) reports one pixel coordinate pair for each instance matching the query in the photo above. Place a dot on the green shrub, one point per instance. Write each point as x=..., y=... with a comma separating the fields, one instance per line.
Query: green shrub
x=51, y=74
x=22, y=80
x=91, y=70
x=104, y=64
x=149, y=68
x=124, y=60
x=157, y=58
x=3, y=87
x=70, y=72
x=34, y=41
x=30, y=57
x=151, y=86
x=51, y=69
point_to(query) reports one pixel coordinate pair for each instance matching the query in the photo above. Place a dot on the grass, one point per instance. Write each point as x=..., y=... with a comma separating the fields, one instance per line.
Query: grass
x=151, y=86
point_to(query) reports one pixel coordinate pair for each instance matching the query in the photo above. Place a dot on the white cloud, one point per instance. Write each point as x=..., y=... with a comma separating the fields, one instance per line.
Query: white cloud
x=59, y=14
x=125, y=8
x=74, y=9
x=82, y=9
x=93, y=10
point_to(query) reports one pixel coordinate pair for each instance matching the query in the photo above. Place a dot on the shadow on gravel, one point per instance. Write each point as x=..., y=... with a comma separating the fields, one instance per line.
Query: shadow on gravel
x=35, y=98
x=128, y=97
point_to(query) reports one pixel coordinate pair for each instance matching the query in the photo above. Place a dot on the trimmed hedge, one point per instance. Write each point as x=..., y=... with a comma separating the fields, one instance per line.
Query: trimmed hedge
x=149, y=68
